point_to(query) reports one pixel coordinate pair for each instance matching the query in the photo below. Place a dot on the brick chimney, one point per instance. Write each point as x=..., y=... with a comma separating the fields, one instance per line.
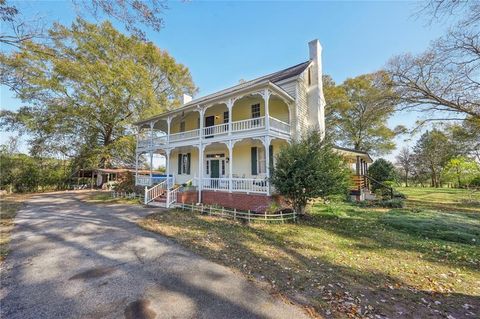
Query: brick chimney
x=316, y=100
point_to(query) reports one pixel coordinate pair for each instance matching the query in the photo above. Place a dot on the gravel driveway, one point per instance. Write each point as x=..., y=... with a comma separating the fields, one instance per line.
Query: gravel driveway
x=71, y=259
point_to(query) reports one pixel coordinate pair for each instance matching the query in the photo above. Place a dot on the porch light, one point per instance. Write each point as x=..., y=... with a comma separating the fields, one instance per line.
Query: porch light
x=227, y=159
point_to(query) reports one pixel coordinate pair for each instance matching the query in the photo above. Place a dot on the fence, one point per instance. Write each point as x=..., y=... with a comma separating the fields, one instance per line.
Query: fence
x=238, y=215
x=127, y=195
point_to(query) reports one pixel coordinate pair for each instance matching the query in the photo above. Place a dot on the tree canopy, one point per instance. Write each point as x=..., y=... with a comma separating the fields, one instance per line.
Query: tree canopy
x=432, y=152
x=357, y=112
x=85, y=88
x=444, y=77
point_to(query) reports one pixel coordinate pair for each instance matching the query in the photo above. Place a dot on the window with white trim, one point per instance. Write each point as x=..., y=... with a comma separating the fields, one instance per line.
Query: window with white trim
x=261, y=162
x=256, y=110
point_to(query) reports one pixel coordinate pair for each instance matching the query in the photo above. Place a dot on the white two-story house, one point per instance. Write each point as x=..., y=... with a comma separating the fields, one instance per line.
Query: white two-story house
x=224, y=144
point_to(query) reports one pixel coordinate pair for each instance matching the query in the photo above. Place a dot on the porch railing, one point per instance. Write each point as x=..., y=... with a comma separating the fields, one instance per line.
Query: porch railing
x=216, y=183
x=279, y=125
x=184, y=135
x=248, y=124
x=215, y=130
x=249, y=185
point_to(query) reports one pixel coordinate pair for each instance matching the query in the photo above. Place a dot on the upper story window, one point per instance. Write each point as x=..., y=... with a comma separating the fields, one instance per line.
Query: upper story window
x=309, y=76
x=255, y=110
x=225, y=117
x=182, y=126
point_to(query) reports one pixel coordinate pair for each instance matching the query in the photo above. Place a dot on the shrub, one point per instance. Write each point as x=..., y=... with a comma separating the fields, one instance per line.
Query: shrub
x=307, y=169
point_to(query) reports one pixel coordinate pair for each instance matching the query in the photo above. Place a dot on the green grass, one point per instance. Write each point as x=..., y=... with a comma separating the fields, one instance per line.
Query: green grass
x=350, y=260
x=9, y=205
x=106, y=198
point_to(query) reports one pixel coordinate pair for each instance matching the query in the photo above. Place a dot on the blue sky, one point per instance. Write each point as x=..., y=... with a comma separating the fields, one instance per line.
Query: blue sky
x=222, y=42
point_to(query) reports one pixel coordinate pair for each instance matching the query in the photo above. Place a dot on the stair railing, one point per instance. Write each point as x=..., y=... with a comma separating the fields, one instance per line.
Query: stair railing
x=172, y=196
x=154, y=192
x=382, y=185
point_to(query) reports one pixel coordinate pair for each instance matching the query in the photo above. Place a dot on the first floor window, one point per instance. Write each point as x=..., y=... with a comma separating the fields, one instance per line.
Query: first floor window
x=258, y=161
x=184, y=163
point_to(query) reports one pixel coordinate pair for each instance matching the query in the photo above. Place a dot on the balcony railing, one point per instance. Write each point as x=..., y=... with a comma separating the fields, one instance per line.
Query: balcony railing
x=245, y=125
x=184, y=135
x=216, y=130
x=278, y=125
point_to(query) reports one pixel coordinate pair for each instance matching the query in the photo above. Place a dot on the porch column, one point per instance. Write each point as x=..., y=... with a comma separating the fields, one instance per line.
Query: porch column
x=167, y=164
x=151, y=151
x=151, y=134
x=200, y=171
x=201, y=111
x=266, y=144
x=151, y=167
x=136, y=168
x=169, y=121
x=357, y=166
x=230, y=166
x=230, y=117
x=361, y=167
x=266, y=98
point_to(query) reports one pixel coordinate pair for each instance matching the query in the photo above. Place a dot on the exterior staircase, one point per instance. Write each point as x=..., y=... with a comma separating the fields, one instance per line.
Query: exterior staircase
x=161, y=195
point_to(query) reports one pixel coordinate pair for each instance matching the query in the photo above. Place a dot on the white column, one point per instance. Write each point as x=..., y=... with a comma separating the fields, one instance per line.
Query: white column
x=151, y=167
x=169, y=121
x=200, y=172
x=230, y=116
x=266, y=144
x=202, y=113
x=167, y=164
x=136, y=168
x=230, y=166
x=266, y=98
x=151, y=151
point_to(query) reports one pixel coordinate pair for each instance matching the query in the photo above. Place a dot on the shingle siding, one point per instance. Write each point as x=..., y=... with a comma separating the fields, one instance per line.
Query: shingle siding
x=301, y=104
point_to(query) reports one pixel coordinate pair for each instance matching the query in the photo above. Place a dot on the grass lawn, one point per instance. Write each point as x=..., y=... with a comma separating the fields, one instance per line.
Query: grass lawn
x=106, y=198
x=422, y=261
x=9, y=205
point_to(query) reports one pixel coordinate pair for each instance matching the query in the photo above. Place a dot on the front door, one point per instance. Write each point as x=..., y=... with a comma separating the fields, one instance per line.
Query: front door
x=209, y=121
x=214, y=173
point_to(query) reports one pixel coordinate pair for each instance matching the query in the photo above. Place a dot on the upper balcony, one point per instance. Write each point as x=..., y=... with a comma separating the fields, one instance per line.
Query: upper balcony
x=255, y=113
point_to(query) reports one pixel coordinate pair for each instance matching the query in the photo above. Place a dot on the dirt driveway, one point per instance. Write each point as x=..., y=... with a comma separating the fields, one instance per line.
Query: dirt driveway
x=71, y=259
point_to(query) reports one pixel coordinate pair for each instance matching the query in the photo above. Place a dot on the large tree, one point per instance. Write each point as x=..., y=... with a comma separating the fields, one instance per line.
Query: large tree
x=357, y=112
x=431, y=153
x=445, y=77
x=86, y=86
x=404, y=160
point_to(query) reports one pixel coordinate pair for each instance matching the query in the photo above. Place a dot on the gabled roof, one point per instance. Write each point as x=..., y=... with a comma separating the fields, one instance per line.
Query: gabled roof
x=269, y=78
x=353, y=152
x=273, y=77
